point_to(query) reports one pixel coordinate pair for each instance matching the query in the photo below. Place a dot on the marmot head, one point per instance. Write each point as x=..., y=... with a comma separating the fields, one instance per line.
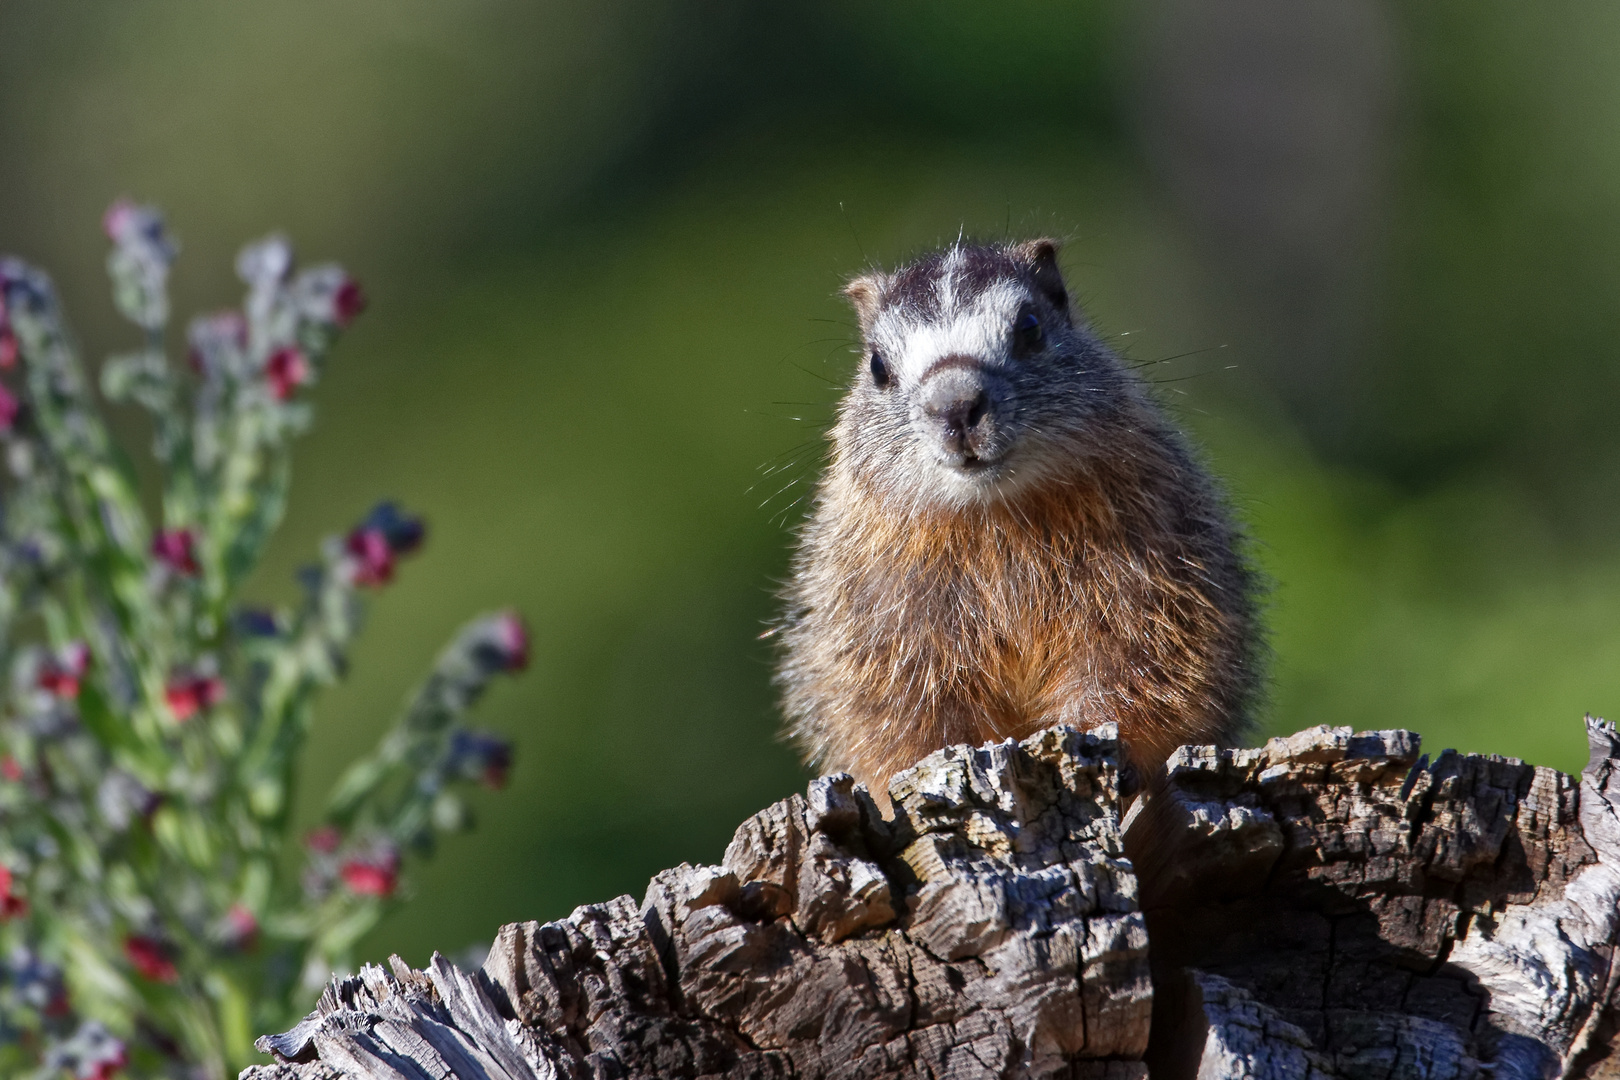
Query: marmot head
x=975, y=382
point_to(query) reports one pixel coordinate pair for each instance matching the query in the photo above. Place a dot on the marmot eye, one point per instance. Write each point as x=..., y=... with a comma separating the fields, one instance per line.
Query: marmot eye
x=880, y=370
x=1027, y=332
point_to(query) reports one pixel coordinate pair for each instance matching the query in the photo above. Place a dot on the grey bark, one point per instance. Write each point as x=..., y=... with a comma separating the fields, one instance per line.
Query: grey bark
x=1329, y=906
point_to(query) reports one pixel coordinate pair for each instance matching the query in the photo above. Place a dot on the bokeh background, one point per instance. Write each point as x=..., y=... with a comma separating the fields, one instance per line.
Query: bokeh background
x=1370, y=251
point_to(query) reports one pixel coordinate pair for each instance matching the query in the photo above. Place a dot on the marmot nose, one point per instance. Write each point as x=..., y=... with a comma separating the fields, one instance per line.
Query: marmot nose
x=959, y=406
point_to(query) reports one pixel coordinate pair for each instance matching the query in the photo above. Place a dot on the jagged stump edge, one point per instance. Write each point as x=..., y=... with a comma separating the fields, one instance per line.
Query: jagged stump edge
x=1328, y=905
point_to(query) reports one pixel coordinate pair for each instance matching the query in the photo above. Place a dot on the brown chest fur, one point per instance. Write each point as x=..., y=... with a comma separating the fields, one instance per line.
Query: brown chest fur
x=1114, y=596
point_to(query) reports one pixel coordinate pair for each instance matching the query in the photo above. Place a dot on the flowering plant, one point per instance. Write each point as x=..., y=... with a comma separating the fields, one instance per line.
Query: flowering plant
x=155, y=911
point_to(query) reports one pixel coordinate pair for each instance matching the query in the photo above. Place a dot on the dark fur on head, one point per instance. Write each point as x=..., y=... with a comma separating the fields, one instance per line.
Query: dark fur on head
x=1010, y=534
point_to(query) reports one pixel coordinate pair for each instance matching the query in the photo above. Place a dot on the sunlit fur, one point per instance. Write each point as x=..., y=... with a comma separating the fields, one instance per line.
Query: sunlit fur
x=1084, y=570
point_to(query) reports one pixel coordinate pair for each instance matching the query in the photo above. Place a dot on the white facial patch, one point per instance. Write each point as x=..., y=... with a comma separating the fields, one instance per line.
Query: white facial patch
x=973, y=326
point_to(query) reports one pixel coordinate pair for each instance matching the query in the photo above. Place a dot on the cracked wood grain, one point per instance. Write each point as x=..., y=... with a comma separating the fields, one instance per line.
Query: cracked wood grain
x=1330, y=906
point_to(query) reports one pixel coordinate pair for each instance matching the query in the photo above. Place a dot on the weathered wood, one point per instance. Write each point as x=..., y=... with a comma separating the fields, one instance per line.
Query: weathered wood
x=1403, y=918
x=1329, y=906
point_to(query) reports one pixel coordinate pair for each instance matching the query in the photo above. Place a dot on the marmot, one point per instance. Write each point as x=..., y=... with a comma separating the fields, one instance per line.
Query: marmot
x=1010, y=533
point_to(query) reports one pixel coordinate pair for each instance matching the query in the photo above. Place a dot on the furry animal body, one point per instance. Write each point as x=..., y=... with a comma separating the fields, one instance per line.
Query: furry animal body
x=1009, y=534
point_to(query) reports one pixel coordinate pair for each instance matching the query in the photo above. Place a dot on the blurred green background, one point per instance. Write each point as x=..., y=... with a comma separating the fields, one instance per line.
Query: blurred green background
x=1371, y=252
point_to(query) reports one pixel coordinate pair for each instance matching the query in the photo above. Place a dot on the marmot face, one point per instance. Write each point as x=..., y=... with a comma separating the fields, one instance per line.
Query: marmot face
x=975, y=384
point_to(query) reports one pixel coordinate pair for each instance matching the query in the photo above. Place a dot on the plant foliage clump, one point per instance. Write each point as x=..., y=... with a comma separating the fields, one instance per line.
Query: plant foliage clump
x=155, y=909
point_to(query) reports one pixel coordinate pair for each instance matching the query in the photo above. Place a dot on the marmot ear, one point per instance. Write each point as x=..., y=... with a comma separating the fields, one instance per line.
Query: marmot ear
x=1041, y=257
x=864, y=294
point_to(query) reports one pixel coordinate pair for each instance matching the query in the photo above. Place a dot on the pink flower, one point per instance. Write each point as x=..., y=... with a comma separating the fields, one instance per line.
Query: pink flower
x=62, y=674
x=150, y=957
x=348, y=302
x=107, y=1068
x=176, y=549
x=64, y=685
x=188, y=695
x=10, y=769
x=10, y=407
x=324, y=839
x=287, y=369
x=328, y=297
x=512, y=638
x=11, y=905
x=377, y=876
x=374, y=559
x=499, y=643
x=182, y=701
x=121, y=220
x=241, y=928
x=376, y=542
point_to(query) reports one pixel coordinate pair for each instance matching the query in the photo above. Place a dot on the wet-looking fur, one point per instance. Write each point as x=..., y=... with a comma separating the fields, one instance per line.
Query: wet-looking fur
x=1010, y=533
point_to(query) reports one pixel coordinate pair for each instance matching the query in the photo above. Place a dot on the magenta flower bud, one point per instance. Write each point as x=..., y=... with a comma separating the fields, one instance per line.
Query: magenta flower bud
x=152, y=958
x=176, y=549
x=375, y=875
x=210, y=690
x=59, y=683
x=286, y=370
x=188, y=695
x=240, y=931
x=373, y=558
x=62, y=674
x=500, y=643
x=382, y=537
x=119, y=222
x=326, y=294
x=349, y=302
x=130, y=225
x=182, y=701
x=512, y=638
x=109, y=1067
x=11, y=905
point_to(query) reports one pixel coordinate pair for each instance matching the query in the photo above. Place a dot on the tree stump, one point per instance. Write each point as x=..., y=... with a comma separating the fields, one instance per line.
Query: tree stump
x=1327, y=906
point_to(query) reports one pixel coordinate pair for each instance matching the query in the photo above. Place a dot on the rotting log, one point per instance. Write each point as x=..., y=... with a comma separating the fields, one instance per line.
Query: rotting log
x=1329, y=905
